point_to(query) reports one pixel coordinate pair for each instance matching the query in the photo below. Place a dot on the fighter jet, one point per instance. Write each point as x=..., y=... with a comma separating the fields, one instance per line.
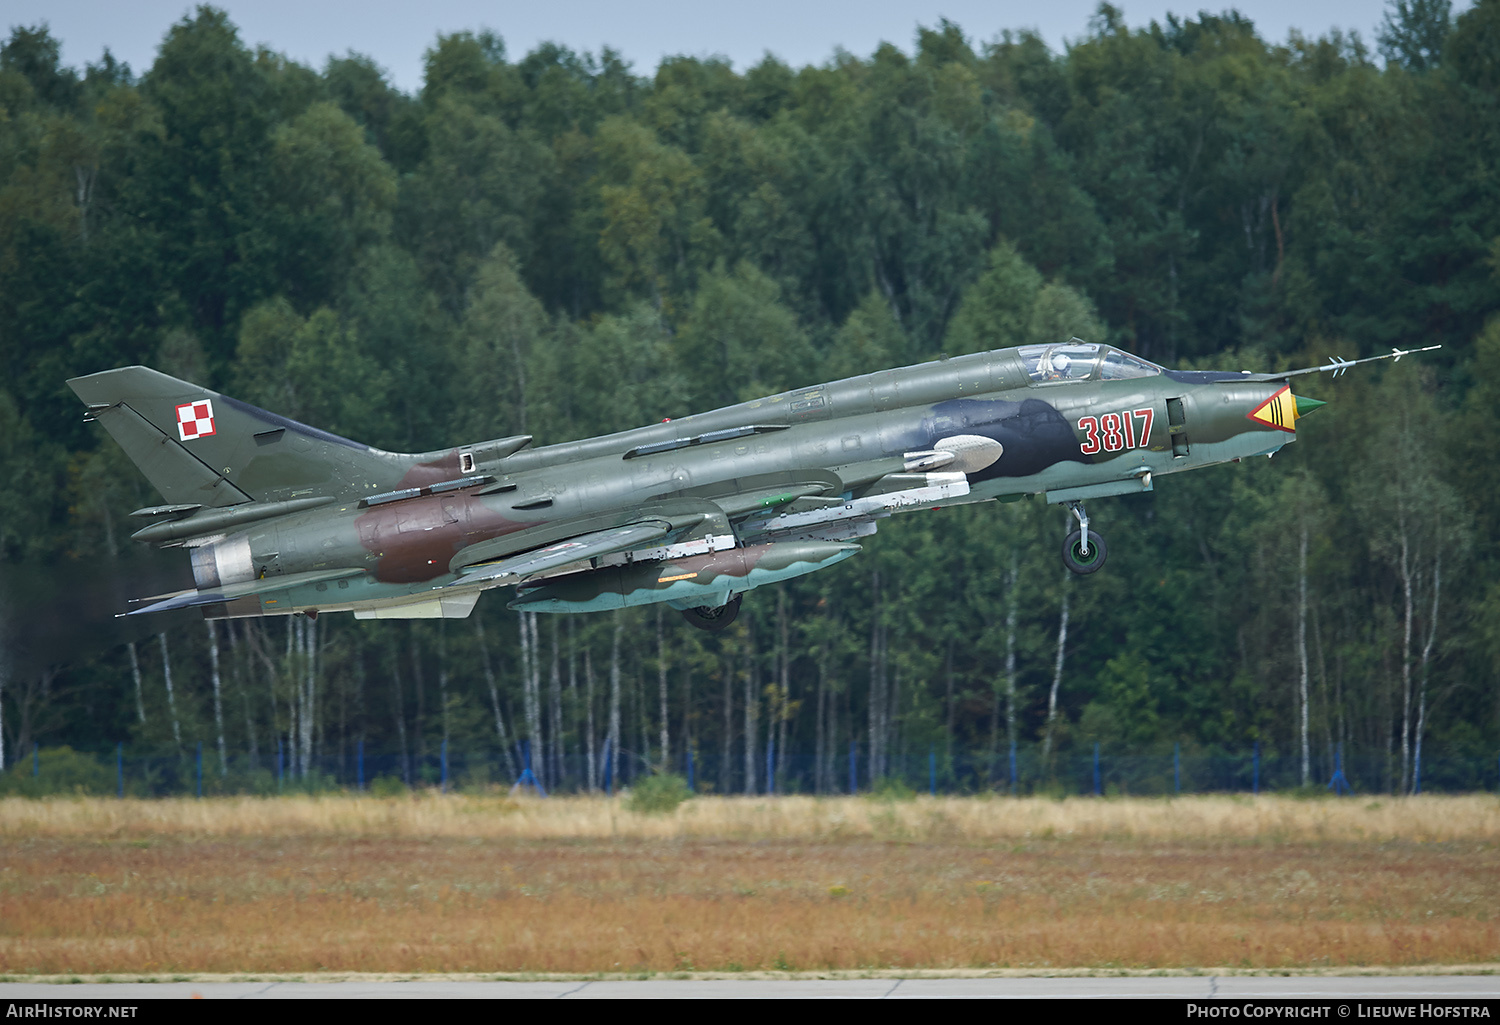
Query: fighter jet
x=280, y=518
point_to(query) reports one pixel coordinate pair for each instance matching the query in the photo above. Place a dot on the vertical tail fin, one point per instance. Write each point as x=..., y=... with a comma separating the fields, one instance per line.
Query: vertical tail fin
x=199, y=447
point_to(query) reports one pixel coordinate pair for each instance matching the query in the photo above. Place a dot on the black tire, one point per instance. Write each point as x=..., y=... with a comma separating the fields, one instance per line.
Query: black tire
x=1073, y=558
x=712, y=618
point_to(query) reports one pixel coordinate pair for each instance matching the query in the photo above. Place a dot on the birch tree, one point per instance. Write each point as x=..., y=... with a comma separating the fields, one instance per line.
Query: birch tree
x=489, y=680
x=785, y=706
x=240, y=673
x=1288, y=534
x=213, y=664
x=554, y=679
x=614, y=701
x=531, y=693
x=166, y=670
x=135, y=676
x=875, y=709
x=398, y=706
x=1057, y=670
x=589, y=734
x=1411, y=515
x=726, y=727
x=307, y=714
x=573, y=697
x=752, y=708
x=442, y=654
x=661, y=685
x=1450, y=541
x=1012, y=611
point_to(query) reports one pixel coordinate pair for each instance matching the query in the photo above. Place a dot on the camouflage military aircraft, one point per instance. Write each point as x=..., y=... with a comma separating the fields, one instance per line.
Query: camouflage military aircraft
x=281, y=518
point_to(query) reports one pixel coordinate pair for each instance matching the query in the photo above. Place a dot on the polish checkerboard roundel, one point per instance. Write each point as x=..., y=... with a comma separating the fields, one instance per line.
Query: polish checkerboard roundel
x=195, y=420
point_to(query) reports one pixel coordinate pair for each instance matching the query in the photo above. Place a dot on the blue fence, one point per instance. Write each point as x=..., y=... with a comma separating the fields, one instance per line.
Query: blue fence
x=1021, y=771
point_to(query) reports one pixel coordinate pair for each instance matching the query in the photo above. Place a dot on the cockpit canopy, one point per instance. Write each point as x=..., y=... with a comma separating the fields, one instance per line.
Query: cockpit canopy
x=1078, y=361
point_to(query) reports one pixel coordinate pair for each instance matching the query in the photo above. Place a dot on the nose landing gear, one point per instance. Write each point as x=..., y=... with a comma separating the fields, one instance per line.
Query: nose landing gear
x=714, y=619
x=1083, y=550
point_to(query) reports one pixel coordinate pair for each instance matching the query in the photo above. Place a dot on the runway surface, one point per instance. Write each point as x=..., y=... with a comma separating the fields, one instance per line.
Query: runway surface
x=1353, y=988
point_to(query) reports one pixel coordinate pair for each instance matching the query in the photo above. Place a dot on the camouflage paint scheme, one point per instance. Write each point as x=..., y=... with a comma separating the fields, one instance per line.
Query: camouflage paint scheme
x=281, y=518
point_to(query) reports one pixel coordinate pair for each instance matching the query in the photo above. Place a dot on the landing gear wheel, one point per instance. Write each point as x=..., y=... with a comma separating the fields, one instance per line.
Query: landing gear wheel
x=1074, y=557
x=714, y=619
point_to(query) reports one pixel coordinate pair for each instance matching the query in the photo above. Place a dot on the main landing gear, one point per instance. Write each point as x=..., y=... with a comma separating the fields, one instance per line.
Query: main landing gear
x=1083, y=550
x=714, y=619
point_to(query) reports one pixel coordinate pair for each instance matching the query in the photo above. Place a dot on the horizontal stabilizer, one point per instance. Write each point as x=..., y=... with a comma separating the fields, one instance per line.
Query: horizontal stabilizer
x=245, y=589
x=584, y=546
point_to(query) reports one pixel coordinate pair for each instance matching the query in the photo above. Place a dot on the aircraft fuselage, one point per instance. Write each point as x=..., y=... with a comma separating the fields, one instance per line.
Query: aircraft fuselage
x=1088, y=438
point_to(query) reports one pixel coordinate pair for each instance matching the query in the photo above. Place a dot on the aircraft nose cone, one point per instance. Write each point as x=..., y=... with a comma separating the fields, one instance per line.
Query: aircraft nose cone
x=1306, y=405
x=1282, y=410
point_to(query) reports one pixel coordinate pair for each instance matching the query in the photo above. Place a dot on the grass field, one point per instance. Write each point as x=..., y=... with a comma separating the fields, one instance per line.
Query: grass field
x=476, y=884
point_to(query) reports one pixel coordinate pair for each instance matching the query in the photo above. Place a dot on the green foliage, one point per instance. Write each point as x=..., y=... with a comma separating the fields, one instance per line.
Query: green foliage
x=261, y=783
x=313, y=369
x=658, y=793
x=618, y=371
x=1413, y=33
x=892, y=788
x=477, y=189
x=997, y=309
x=24, y=501
x=476, y=779
x=58, y=771
x=334, y=196
x=870, y=339
x=399, y=323
x=387, y=786
x=1011, y=305
x=315, y=782
x=1124, y=715
x=550, y=243
x=501, y=329
x=357, y=85
x=1474, y=434
x=201, y=185
x=654, y=229
x=741, y=340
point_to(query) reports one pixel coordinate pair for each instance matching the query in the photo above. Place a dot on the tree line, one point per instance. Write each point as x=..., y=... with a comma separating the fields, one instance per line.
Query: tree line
x=555, y=244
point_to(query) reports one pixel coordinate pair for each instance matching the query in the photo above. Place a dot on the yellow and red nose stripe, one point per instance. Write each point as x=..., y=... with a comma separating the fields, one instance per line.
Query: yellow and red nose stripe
x=1283, y=410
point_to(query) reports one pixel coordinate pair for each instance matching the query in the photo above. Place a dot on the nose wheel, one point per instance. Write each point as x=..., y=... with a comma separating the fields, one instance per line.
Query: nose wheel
x=1083, y=550
x=714, y=619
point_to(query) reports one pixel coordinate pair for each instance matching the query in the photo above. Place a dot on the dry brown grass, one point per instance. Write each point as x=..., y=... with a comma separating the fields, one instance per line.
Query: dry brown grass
x=942, y=819
x=487, y=885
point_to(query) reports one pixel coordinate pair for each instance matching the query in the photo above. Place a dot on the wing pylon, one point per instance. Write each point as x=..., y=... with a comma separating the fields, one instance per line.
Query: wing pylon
x=563, y=553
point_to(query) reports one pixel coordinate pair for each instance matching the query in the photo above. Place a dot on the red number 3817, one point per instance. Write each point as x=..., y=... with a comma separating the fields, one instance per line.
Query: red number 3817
x=1115, y=432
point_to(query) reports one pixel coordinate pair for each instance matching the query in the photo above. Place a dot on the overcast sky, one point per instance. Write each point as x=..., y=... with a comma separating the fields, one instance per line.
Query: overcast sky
x=798, y=31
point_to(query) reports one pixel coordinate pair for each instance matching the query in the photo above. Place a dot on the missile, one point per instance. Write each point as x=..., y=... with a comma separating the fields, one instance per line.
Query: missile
x=700, y=580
